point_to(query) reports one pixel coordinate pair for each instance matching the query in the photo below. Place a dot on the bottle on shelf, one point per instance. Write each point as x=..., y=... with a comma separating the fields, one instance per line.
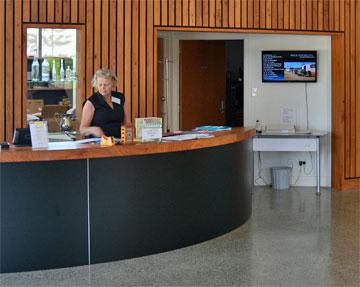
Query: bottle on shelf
x=62, y=70
x=45, y=70
x=258, y=126
x=35, y=69
x=53, y=72
x=68, y=73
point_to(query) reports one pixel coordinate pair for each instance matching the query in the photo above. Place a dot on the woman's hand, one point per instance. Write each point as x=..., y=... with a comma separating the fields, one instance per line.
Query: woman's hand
x=94, y=131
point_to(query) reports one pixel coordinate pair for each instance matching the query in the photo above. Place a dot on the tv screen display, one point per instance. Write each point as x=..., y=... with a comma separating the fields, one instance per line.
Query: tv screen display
x=289, y=66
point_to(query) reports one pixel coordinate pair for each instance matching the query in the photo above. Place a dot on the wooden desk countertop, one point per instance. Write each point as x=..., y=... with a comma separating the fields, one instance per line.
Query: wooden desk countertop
x=72, y=151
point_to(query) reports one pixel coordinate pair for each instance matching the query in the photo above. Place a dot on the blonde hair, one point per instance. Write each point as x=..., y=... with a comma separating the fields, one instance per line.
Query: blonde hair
x=105, y=74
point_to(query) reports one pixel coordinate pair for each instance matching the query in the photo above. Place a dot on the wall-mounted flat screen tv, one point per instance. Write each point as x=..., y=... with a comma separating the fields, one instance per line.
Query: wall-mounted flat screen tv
x=289, y=66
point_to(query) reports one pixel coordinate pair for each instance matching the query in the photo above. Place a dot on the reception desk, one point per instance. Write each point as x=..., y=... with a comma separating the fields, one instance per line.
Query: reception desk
x=71, y=204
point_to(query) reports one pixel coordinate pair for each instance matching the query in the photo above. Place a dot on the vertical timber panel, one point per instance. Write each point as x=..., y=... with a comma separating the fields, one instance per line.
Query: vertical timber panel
x=347, y=49
x=268, y=14
x=192, y=13
x=26, y=10
x=352, y=71
x=205, y=12
x=42, y=11
x=357, y=88
x=127, y=54
x=97, y=34
x=198, y=14
x=309, y=16
x=315, y=14
x=2, y=72
x=250, y=22
x=105, y=34
x=336, y=16
x=298, y=15
x=58, y=11
x=320, y=15
x=256, y=14
x=231, y=14
x=331, y=15
x=66, y=11
x=342, y=15
x=82, y=11
x=280, y=9
x=9, y=68
x=304, y=16
x=157, y=12
x=218, y=13
x=286, y=14
x=212, y=14
x=82, y=61
x=326, y=15
x=18, y=103
x=274, y=14
x=34, y=12
x=338, y=110
x=225, y=13
x=135, y=59
x=171, y=6
x=150, y=59
x=142, y=59
x=89, y=46
x=120, y=47
x=244, y=14
x=164, y=12
x=50, y=11
x=237, y=13
x=155, y=102
x=262, y=14
x=185, y=13
x=178, y=14
x=74, y=11
x=291, y=15
x=112, y=36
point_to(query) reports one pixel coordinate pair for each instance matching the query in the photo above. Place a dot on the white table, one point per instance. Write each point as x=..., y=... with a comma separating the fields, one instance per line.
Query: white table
x=291, y=142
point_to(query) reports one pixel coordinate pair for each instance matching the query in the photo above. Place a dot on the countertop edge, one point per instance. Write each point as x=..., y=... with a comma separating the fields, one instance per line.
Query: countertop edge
x=88, y=151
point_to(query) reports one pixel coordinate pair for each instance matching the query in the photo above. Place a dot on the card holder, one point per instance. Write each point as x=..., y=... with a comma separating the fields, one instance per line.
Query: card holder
x=22, y=137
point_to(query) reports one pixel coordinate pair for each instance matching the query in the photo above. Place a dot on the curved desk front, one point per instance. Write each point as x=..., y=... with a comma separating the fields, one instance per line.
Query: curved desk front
x=82, y=204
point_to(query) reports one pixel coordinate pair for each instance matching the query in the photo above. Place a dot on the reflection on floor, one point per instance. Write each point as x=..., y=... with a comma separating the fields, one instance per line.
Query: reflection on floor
x=294, y=238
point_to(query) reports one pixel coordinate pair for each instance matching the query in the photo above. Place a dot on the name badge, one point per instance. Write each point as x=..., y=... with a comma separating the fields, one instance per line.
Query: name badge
x=116, y=100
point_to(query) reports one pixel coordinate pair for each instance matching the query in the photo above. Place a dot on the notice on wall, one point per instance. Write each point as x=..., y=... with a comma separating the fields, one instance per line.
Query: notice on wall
x=288, y=115
x=39, y=134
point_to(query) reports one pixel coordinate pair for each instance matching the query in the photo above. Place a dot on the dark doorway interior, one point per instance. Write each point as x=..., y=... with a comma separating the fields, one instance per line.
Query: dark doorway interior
x=234, y=115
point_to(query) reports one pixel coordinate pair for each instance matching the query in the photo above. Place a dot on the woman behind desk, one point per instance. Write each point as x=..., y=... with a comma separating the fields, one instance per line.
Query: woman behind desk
x=103, y=112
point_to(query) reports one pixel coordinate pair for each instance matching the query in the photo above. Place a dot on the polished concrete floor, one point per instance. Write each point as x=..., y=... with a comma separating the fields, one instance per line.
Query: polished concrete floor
x=294, y=238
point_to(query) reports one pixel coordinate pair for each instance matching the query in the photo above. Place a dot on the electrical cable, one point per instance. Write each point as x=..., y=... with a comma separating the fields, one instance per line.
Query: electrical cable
x=298, y=176
x=312, y=165
x=306, y=107
x=259, y=171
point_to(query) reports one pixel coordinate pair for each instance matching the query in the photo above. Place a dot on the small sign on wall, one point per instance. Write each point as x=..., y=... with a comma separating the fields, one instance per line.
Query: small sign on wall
x=288, y=115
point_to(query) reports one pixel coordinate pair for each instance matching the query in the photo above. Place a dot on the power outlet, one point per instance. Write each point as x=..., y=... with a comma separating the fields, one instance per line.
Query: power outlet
x=302, y=162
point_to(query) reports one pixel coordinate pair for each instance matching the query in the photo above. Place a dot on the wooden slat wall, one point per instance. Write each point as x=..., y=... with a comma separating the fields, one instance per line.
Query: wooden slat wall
x=119, y=34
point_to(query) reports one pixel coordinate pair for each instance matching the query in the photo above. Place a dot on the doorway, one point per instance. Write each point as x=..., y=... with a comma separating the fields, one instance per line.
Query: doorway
x=202, y=85
x=200, y=82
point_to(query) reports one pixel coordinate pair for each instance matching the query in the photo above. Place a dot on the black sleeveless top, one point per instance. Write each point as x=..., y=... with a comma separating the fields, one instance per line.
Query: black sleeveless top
x=108, y=119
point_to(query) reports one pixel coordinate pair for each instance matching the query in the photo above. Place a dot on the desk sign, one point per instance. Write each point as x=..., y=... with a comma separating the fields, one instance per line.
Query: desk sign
x=148, y=129
x=39, y=134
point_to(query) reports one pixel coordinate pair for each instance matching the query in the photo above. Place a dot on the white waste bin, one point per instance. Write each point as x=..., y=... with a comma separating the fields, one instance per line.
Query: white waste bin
x=281, y=177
